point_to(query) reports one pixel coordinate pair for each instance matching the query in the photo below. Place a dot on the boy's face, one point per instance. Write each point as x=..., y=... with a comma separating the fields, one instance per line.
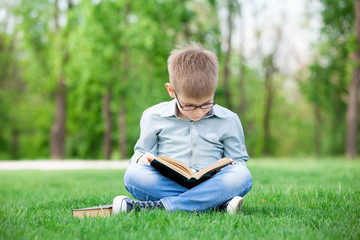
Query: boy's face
x=183, y=101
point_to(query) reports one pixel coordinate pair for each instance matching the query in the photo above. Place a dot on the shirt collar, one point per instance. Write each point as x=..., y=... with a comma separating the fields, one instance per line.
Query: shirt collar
x=170, y=110
x=215, y=111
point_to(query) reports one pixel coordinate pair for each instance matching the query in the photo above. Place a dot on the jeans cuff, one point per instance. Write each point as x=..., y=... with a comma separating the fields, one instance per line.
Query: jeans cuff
x=166, y=204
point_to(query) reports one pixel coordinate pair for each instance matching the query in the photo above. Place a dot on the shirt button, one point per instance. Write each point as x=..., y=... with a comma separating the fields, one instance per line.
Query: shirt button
x=194, y=123
x=194, y=144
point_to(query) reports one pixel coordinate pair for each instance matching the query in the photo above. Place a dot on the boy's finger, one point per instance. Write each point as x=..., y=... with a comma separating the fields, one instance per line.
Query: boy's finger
x=150, y=157
x=144, y=161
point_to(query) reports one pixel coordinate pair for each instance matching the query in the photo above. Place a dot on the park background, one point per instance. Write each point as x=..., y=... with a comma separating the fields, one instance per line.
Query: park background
x=75, y=76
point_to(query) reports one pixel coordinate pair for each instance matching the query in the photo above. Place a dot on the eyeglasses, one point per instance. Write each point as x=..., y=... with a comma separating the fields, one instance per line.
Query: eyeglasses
x=191, y=108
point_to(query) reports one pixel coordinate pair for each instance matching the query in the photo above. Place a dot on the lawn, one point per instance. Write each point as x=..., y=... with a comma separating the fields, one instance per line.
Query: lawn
x=290, y=199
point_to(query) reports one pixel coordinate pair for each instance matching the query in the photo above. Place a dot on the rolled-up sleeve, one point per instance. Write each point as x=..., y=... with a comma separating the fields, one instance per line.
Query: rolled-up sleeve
x=147, y=141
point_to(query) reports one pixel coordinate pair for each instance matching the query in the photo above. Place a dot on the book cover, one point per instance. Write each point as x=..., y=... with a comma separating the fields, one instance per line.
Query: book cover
x=182, y=174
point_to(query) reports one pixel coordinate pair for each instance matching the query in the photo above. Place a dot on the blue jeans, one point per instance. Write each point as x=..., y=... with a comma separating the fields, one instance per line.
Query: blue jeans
x=146, y=183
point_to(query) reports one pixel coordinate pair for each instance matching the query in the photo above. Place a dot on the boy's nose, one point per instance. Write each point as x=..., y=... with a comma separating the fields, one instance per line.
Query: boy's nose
x=198, y=111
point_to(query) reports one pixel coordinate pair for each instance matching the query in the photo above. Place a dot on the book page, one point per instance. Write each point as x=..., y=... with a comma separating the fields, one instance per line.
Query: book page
x=176, y=165
x=94, y=208
x=221, y=163
x=99, y=211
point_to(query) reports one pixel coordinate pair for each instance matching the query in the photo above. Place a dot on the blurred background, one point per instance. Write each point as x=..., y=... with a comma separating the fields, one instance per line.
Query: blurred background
x=76, y=75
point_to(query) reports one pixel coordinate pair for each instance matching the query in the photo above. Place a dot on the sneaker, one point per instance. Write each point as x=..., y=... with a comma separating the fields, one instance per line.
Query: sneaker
x=234, y=205
x=126, y=204
x=120, y=204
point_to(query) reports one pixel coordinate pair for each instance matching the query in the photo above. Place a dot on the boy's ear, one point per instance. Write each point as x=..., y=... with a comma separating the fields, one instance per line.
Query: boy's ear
x=170, y=90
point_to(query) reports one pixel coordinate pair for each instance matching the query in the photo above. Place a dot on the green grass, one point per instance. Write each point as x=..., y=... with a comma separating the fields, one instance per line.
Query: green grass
x=290, y=199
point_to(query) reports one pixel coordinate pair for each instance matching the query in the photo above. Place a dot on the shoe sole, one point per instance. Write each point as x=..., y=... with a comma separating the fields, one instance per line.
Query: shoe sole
x=235, y=205
x=119, y=204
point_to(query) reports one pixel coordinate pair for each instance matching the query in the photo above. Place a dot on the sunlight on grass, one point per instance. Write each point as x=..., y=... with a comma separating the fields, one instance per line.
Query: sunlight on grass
x=300, y=199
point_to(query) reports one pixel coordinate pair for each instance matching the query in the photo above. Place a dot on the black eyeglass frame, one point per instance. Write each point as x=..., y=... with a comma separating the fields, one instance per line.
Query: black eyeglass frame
x=192, y=108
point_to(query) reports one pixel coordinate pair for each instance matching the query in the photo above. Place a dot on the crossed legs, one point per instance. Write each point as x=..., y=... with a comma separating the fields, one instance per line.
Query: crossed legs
x=146, y=183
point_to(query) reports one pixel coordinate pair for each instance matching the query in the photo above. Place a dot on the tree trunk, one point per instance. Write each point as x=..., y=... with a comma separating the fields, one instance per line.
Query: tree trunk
x=124, y=80
x=57, y=134
x=353, y=102
x=58, y=128
x=122, y=109
x=15, y=143
x=317, y=137
x=108, y=125
x=227, y=57
x=122, y=129
x=268, y=106
x=242, y=103
x=270, y=69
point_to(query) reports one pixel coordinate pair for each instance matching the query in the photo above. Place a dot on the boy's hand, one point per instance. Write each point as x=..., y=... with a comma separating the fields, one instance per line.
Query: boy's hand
x=146, y=158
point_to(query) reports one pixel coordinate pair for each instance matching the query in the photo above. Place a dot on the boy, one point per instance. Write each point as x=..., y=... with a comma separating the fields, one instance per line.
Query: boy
x=194, y=131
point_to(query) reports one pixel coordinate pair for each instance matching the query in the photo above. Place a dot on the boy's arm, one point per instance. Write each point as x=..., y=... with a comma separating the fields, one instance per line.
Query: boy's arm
x=234, y=143
x=147, y=142
x=146, y=158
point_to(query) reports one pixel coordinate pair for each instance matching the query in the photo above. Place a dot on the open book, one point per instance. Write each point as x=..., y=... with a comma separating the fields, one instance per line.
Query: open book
x=100, y=211
x=182, y=174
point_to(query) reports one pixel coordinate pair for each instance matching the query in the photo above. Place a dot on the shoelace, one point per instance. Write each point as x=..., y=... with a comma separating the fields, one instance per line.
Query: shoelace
x=145, y=204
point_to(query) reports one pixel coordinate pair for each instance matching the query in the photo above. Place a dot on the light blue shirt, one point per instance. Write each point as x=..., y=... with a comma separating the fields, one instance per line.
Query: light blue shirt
x=197, y=144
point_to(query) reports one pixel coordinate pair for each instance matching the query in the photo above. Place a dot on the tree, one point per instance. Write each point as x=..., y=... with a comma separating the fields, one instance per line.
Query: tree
x=242, y=64
x=270, y=70
x=126, y=68
x=57, y=139
x=44, y=33
x=353, y=100
x=329, y=76
x=11, y=84
x=227, y=72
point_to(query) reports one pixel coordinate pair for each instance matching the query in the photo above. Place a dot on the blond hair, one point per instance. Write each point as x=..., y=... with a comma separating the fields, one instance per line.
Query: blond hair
x=193, y=71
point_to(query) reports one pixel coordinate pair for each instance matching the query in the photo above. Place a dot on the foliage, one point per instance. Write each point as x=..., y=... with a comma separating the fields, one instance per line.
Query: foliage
x=329, y=73
x=121, y=48
x=290, y=198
